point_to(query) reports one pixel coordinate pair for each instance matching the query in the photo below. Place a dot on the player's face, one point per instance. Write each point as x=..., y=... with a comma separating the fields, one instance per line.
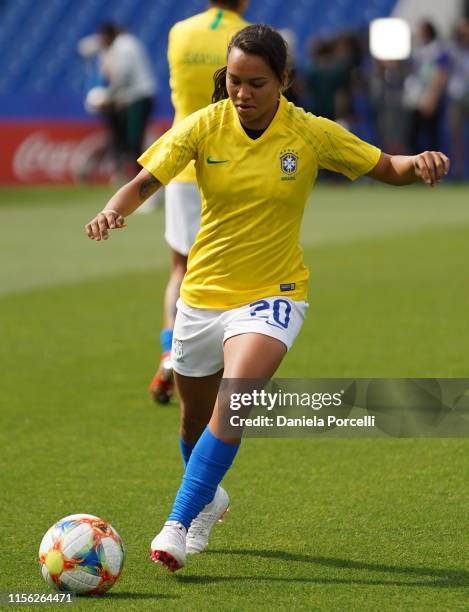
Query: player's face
x=253, y=88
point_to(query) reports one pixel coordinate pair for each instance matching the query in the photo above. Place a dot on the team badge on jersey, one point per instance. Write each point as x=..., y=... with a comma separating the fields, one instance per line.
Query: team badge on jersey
x=288, y=164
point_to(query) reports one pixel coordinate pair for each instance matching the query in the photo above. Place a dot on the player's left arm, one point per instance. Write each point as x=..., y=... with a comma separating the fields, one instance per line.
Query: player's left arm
x=429, y=167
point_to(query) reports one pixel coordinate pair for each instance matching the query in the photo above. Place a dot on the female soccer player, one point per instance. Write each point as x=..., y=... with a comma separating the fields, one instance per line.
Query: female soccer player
x=243, y=298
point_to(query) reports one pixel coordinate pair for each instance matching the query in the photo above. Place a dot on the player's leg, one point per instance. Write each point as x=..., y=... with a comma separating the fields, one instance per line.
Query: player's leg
x=241, y=362
x=182, y=220
x=197, y=399
x=456, y=123
x=257, y=337
x=138, y=116
x=115, y=122
x=197, y=357
x=162, y=385
x=246, y=356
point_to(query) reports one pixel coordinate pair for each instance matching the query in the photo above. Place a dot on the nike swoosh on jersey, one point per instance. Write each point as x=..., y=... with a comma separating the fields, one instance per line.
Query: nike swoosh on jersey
x=217, y=161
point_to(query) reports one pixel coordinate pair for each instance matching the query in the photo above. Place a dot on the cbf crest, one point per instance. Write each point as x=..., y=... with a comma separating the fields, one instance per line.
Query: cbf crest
x=289, y=164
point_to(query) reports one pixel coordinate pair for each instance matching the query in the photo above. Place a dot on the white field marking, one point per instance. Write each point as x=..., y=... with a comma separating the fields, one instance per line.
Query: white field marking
x=49, y=247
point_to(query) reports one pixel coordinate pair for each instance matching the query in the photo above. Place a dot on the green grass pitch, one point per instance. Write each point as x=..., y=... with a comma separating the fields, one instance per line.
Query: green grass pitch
x=363, y=524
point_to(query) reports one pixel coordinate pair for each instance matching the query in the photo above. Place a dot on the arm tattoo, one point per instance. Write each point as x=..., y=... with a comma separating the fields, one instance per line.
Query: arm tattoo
x=147, y=187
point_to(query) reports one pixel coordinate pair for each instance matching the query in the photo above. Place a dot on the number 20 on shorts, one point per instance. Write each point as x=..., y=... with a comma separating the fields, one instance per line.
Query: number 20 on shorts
x=277, y=311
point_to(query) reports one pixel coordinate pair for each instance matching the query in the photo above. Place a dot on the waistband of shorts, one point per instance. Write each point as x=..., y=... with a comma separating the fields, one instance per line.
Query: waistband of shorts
x=183, y=306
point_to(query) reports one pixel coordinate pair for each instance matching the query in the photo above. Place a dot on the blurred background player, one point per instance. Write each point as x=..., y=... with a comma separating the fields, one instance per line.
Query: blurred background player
x=196, y=50
x=425, y=89
x=126, y=69
x=458, y=94
x=132, y=87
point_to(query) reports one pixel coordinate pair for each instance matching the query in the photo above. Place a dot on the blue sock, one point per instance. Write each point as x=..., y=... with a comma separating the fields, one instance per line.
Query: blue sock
x=166, y=339
x=186, y=450
x=209, y=462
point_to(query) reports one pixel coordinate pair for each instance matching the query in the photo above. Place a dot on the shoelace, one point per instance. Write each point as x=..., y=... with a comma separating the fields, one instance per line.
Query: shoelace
x=196, y=531
x=180, y=532
x=201, y=525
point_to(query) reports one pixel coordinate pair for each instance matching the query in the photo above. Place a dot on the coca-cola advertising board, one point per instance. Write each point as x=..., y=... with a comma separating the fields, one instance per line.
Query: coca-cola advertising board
x=57, y=152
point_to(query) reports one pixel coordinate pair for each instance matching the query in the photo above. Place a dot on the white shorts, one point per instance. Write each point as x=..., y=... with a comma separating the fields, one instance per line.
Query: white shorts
x=199, y=334
x=182, y=219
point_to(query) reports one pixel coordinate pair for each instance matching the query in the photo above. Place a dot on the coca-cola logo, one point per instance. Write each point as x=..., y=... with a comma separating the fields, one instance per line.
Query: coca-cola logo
x=38, y=156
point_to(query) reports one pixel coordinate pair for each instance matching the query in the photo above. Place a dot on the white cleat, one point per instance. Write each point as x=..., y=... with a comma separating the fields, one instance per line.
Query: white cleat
x=201, y=526
x=169, y=546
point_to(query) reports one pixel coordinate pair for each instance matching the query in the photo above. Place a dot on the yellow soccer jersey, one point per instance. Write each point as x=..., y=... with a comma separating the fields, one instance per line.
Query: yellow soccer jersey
x=196, y=50
x=253, y=196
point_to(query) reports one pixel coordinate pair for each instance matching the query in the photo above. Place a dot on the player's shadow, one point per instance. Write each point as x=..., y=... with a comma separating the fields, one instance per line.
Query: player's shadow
x=448, y=578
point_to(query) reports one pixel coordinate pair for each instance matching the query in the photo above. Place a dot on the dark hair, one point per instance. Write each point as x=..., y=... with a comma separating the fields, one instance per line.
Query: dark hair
x=229, y=4
x=429, y=30
x=258, y=39
x=109, y=29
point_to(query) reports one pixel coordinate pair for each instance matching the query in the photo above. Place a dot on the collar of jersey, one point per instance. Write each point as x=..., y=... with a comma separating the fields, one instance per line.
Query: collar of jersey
x=213, y=10
x=268, y=129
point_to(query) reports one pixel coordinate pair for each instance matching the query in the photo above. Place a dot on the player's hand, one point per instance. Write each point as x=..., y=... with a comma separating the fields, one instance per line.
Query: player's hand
x=431, y=166
x=98, y=228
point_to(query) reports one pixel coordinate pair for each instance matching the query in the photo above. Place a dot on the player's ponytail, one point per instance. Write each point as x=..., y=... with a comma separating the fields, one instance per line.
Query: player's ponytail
x=220, y=92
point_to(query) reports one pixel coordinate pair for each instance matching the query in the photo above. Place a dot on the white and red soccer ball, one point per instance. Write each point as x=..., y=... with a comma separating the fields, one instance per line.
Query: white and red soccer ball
x=81, y=554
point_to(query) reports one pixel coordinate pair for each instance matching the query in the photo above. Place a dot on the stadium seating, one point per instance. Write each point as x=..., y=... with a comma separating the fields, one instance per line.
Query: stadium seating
x=42, y=75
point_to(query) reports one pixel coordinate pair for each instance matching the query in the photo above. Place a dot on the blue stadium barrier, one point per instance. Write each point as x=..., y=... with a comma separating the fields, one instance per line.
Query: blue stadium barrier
x=43, y=77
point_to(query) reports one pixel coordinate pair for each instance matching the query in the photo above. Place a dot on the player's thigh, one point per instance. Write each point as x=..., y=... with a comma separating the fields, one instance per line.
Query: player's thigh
x=257, y=337
x=455, y=116
x=182, y=215
x=264, y=321
x=252, y=355
x=197, y=358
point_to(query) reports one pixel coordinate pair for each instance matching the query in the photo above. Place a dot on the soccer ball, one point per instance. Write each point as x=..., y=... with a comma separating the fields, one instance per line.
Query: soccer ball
x=81, y=554
x=96, y=98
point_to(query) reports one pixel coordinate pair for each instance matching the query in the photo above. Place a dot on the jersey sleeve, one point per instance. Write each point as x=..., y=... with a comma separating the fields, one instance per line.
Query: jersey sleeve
x=341, y=151
x=171, y=153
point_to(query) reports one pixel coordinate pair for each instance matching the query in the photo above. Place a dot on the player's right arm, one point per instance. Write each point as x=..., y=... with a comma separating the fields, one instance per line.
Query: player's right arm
x=123, y=203
x=164, y=159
